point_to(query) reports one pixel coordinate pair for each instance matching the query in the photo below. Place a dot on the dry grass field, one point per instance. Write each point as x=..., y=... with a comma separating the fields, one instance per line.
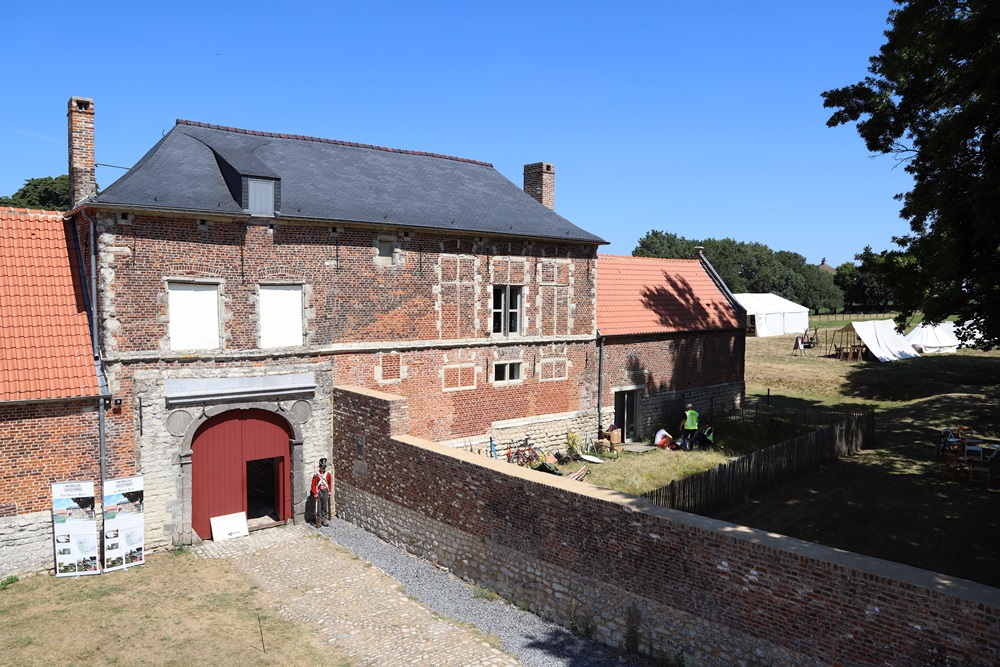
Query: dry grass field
x=895, y=501
x=174, y=610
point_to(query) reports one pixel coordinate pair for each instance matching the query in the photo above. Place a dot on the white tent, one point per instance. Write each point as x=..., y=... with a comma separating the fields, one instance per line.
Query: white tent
x=772, y=315
x=937, y=339
x=882, y=340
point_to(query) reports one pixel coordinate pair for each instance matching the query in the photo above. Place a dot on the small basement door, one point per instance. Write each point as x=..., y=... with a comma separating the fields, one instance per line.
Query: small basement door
x=226, y=451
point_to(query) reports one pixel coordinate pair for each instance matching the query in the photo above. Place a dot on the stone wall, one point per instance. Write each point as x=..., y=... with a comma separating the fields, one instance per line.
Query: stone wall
x=26, y=543
x=164, y=436
x=637, y=575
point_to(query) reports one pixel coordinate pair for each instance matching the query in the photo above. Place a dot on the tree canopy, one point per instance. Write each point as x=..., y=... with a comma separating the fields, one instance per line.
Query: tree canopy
x=47, y=193
x=751, y=267
x=933, y=100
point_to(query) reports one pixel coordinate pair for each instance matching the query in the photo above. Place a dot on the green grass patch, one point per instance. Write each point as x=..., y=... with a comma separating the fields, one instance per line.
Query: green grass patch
x=480, y=593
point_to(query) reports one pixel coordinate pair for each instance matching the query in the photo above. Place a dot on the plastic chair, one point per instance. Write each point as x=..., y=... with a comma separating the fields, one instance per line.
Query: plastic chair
x=984, y=469
x=948, y=441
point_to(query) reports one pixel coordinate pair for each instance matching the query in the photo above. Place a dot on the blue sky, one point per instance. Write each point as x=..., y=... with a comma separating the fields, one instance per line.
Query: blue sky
x=701, y=119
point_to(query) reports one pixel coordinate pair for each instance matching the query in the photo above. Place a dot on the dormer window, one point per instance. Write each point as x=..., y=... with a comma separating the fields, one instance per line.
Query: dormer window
x=260, y=197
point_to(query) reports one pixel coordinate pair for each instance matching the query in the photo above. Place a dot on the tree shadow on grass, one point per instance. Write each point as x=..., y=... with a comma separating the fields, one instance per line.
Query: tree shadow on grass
x=896, y=501
x=914, y=379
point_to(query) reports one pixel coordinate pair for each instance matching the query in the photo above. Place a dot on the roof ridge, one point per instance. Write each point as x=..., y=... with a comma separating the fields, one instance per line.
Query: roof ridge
x=658, y=259
x=336, y=142
x=31, y=212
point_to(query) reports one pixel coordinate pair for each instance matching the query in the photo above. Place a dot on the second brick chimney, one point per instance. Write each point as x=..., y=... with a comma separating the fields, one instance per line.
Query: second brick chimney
x=82, y=176
x=540, y=183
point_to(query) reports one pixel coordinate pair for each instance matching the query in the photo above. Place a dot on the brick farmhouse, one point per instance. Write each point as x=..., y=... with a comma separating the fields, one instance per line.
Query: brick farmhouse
x=239, y=277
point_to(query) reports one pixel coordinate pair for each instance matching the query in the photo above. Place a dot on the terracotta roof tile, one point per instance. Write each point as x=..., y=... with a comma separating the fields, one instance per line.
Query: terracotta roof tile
x=45, y=349
x=642, y=295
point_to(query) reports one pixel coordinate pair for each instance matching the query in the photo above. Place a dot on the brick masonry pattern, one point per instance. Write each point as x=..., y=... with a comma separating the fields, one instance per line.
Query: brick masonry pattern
x=724, y=594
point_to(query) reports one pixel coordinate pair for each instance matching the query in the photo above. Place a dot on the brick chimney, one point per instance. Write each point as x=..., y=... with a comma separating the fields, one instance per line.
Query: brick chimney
x=82, y=176
x=540, y=183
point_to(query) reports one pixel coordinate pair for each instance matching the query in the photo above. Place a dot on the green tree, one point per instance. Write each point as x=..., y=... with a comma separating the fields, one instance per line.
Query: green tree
x=46, y=193
x=933, y=100
x=863, y=285
x=751, y=267
x=664, y=244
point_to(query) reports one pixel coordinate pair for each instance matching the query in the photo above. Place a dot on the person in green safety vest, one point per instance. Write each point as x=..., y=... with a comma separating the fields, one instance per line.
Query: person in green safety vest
x=689, y=428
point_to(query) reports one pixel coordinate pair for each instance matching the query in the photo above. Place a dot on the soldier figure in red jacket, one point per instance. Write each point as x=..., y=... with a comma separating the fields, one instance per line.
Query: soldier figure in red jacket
x=322, y=482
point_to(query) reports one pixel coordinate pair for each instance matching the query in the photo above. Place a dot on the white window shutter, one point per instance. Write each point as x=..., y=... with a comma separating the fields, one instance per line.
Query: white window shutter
x=280, y=315
x=194, y=316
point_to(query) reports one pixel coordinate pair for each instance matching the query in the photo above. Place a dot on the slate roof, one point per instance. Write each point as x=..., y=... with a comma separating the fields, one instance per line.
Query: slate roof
x=327, y=180
x=644, y=295
x=45, y=350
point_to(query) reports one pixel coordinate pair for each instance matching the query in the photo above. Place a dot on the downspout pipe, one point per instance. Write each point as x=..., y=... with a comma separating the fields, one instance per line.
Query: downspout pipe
x=600, y=381
x=92, y=313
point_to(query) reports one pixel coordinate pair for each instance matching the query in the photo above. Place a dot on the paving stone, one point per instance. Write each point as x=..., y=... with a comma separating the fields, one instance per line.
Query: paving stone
x=348, y=603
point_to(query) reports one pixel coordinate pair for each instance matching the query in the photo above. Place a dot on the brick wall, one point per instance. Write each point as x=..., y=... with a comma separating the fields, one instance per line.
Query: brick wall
x=704, y=369
x=40, y=444
x=436, y=288
x=44, y=443
x=609, y=563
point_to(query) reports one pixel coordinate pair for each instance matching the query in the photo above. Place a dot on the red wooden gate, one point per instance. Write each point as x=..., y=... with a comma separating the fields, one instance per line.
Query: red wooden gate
x=220, y=451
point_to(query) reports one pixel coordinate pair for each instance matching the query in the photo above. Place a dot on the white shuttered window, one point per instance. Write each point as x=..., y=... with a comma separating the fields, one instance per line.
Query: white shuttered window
x=261, y=197
x=280, y=315
x=193, y=310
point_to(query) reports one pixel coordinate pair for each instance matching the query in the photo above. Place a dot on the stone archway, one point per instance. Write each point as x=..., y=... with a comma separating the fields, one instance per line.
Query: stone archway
x=238, y=433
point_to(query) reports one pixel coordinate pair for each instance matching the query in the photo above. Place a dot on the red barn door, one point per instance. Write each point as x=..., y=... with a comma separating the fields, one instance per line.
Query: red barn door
x=220, y=451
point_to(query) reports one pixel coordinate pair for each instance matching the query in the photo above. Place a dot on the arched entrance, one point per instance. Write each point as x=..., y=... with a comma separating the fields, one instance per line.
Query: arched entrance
x=240, y=462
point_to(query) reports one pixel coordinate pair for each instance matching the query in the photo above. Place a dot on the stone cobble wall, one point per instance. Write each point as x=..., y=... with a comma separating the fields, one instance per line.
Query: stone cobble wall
x=613, y=564
x=26, y=543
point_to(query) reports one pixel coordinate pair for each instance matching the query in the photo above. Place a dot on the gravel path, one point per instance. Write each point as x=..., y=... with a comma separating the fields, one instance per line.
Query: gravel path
x=533, y=641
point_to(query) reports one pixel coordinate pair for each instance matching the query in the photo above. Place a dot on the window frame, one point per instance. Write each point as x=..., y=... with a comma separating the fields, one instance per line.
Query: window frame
x=554, y=362
x=508, y=365
x=504, y=311
x=468, y=366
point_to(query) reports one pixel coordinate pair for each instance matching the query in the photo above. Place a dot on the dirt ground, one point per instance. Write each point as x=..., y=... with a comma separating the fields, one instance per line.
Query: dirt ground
x=174, y=610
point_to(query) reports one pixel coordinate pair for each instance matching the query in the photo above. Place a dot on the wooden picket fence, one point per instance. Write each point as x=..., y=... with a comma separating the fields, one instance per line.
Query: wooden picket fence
x=842, y=435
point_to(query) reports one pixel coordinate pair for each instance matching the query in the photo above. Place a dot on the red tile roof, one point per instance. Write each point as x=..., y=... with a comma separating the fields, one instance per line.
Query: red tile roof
x=642, y=295
x=45, y=349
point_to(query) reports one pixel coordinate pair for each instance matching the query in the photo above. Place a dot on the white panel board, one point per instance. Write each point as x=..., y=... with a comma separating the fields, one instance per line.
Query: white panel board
x=280, y=315
x=193, y=310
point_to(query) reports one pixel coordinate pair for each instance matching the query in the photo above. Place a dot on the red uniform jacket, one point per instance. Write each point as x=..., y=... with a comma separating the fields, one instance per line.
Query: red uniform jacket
x=321, y=481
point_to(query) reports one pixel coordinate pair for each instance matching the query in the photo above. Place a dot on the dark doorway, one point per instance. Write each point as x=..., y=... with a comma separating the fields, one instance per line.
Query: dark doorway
x=626, y=413
x=261, y=489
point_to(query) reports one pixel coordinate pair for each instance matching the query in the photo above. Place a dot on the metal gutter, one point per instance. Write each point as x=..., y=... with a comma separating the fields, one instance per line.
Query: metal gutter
x=721, y=284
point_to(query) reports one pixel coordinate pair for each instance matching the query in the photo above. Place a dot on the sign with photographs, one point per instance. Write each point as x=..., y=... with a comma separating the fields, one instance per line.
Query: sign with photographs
x=123, y=523
x=74, y=527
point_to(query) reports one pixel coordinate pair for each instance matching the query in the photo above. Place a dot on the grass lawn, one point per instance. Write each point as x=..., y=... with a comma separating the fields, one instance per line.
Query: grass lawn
x=894, y=501
x=639, y=473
